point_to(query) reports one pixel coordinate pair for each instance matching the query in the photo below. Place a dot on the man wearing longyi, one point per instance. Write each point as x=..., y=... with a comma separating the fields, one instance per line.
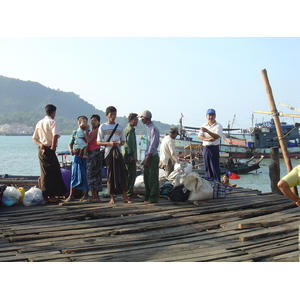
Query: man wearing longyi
x=210, y=133
x=45, y=136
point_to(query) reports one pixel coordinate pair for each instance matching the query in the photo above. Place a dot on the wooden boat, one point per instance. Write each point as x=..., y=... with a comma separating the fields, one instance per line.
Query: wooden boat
x=259, y=139
x=236, y=166
x=255, y=142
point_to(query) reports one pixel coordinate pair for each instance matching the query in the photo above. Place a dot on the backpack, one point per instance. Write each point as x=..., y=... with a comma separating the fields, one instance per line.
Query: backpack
x=166, y=189
x=179, y=194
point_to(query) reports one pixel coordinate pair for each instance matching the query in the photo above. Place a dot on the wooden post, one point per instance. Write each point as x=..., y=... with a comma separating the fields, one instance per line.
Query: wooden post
x=274, y=170
x=279, y=131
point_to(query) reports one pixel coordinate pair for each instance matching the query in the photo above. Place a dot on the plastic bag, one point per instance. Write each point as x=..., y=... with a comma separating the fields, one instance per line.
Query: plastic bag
x=139, y=185
x=33, y=197
x=11, y=196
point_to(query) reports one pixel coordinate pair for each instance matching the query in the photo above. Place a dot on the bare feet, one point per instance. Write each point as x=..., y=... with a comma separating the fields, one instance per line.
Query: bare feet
x=112, y=201
x=94, y=200
x=127, y=201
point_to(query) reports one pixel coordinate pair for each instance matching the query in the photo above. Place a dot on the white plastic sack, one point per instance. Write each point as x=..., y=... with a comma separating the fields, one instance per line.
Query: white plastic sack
x=179, y=179
x=11, y=196
x=139, y=186
x=161, y=173
x=189, y=168
x=33, y=197
x=199, y=187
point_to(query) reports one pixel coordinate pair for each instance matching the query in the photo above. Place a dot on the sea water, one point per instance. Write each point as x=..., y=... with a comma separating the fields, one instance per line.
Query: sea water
x=19, y=157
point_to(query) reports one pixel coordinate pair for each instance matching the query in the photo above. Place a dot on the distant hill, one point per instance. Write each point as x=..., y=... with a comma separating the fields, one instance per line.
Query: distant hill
x=23, y=102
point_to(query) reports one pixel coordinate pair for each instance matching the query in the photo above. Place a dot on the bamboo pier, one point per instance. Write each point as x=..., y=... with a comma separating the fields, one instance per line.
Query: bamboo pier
x=246, y=226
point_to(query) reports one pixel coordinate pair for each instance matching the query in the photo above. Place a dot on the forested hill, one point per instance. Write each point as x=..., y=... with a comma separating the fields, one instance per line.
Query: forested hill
x=24, y=102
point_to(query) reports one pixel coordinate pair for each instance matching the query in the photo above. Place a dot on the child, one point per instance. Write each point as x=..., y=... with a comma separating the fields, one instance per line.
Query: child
x=116, y=176
x=80, y=138
x=225, y=180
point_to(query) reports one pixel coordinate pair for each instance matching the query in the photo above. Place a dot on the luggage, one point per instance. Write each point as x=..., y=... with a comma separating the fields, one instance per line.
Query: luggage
x=199, y=187
x=166, y=189
x=179, y=194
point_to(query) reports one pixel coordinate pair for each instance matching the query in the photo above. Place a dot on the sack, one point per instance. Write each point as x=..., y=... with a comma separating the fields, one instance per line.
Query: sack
x=179, y=194
x=139, y=185
x=199, y=187
x=219, y=188
x=166, y=189
x=102, y=155
x=180, y=179
x=33, y=197
x=11, y=196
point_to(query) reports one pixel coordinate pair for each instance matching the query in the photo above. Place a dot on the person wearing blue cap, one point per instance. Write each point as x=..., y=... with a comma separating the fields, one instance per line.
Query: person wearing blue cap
x=210, y=133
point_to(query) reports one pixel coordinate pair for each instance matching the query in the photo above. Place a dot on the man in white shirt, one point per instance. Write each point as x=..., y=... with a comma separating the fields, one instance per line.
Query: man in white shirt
x=112, y=136
x=210, y=133
x=168, y=156
x=45, y=136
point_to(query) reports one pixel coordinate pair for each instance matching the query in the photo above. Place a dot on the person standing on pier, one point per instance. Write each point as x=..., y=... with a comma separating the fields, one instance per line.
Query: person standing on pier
x=130, y=153
x=168, y=157
x=45, y=136
x=94, y=163
x=210, y=133
x=290, y=180
x=79, y=174
x=111, y=135
x=151, y=169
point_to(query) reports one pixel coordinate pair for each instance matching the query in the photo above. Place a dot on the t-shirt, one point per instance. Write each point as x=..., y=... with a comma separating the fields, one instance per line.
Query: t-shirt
x=104, y=133
x=215, y=128
x=293, y=178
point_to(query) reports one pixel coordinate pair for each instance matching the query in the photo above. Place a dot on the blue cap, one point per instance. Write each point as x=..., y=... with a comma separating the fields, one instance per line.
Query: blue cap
x=211, y=111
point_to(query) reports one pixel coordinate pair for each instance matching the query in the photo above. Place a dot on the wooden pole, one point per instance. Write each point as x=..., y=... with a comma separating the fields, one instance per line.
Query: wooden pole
x=274, y=170
x=279, y=131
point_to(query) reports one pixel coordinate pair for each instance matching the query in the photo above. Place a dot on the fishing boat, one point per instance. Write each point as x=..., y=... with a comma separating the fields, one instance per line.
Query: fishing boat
x=235, y=166
x=260, y=138
x=256, y=141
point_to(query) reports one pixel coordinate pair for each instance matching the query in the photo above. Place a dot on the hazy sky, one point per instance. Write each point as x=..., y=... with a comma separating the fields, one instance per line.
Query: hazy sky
x=156, y=70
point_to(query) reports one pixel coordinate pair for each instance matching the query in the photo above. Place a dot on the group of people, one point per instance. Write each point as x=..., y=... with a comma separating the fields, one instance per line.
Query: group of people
x=85, y=145
x=87, y=163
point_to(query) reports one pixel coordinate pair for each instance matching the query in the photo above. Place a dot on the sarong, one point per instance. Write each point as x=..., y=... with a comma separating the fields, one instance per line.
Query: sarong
x=116, y=176
x=211, y=157
x=78, y=178
x=94, y=170
x=51, y=182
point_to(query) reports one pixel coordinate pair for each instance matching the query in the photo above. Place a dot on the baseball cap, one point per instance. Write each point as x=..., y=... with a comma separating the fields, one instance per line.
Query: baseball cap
x=211, y=111
x=146, y=113
x=174, y=129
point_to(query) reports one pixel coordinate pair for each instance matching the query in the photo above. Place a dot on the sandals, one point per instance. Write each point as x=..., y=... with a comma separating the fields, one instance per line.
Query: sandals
x=84, y=199
x=69, y=199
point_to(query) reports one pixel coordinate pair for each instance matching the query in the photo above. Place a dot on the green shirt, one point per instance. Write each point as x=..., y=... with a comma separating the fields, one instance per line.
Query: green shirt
x=130, y=148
